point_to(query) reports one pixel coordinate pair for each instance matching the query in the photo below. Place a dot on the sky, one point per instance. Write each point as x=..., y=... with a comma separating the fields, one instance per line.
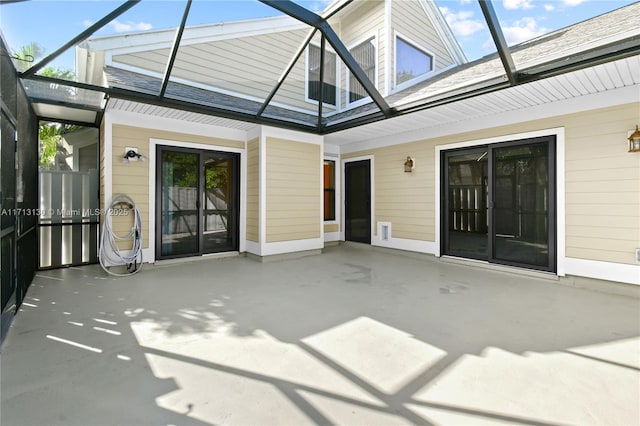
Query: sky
x=52, y=23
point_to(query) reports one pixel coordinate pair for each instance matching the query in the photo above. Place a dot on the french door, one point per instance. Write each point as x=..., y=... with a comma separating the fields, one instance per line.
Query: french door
x=499, y=203
x=197, y=202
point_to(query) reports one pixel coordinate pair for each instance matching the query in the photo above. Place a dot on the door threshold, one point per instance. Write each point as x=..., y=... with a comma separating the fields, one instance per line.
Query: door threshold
x=207, y=256
x=552, y=276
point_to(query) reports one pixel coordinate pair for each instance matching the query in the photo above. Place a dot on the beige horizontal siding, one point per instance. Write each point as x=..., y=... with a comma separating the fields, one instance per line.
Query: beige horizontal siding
x=405, y=199
x=133, y=179
x=334, y=227
x=249, y=66
x=292, y=190
x=253, y=190
x=602, y=183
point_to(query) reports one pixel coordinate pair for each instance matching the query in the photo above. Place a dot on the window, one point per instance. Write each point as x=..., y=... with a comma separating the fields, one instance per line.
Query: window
x=365, y=56
x=329, y=190
x=313, y=76
x=411, y=62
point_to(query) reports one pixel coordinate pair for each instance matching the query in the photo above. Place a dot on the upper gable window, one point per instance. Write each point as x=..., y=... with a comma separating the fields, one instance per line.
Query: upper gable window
x=313, y=76
x=365, y=56
x=411, y=61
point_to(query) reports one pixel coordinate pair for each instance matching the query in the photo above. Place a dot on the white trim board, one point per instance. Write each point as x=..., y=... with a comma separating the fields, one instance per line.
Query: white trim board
x=292, y=135
x=284, y=247
x=163, y=38
x=331, y=236
x=610, y=271
x=418, y=246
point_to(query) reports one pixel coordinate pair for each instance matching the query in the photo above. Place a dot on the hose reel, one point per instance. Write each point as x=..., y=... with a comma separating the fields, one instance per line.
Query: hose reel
x=110, y=254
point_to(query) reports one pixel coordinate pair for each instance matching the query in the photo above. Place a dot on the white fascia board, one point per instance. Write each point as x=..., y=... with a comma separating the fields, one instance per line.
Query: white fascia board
x=444, y=31
x=293, y=135
x=332, y=7
x=148, y=40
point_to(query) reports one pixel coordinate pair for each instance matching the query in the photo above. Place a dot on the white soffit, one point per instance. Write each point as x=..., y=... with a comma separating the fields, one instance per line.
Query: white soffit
x=176, y=114
x=64, y=113
x=451, y=118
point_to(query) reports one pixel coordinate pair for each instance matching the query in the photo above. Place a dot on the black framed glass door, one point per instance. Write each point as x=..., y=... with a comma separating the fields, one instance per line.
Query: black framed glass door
x=357, y=212
x=499, y=203
x=220, y=202
x=523, y=204
x=466, y=200
x=197, y=202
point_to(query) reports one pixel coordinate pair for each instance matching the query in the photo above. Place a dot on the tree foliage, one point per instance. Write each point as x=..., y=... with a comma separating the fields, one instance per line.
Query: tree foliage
x=50, y=133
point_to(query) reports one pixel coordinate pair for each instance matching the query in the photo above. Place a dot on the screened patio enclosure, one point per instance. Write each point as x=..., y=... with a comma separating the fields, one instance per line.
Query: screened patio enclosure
x=346, y=92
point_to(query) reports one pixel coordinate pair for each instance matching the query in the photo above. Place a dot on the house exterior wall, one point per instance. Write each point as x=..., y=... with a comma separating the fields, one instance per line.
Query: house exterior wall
x=253, y=190
x=250, y=64
x=602, y=195
x=598, y=189
x=410, y=20
x=293, y=185
x=334, y=227
x=230, y=65
x=365, y=21
x=133, y=179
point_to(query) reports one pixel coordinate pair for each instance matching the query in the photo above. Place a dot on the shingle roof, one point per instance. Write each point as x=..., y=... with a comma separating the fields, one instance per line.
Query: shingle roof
x=119, y=78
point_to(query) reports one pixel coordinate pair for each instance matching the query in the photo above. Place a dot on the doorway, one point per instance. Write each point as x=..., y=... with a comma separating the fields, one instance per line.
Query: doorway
x=197, y=202
x=357, y=175
x=499, y=203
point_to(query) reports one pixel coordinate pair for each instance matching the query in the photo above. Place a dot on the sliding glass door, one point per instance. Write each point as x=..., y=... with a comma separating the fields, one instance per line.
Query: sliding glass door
x=197, y=202
x=499, y=203
x=220, y=202
x=466, y=200
x=523, y=202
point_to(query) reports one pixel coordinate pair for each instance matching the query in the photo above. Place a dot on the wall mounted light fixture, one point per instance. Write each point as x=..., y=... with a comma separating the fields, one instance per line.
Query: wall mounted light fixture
x=409, y=164
x=131, y=154
x=634, y=141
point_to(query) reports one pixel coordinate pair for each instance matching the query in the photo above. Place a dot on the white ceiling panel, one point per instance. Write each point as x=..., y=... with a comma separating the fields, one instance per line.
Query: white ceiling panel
x=64, y=113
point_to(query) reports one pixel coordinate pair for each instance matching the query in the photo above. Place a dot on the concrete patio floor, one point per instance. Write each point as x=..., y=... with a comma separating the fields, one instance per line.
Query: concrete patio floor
x=355, y=336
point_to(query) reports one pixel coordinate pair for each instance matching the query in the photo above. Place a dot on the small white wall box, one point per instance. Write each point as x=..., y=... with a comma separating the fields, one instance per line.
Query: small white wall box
x=384, y=231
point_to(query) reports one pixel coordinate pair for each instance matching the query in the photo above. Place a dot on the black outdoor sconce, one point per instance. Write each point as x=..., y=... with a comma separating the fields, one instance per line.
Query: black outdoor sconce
x=131, y=154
